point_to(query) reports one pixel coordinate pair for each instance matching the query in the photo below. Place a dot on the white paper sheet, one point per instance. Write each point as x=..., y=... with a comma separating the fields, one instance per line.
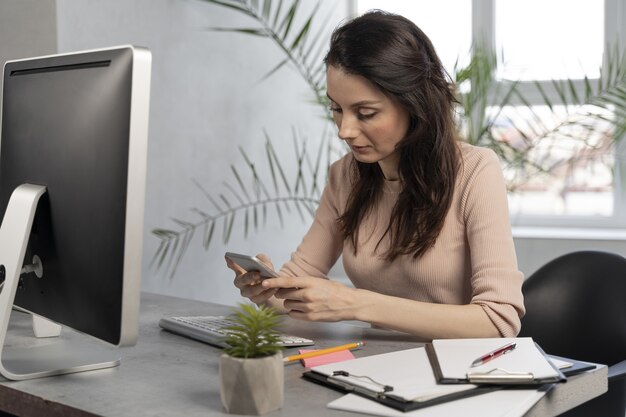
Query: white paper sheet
x=502, y=403
x=407, y=371
x=455, y=357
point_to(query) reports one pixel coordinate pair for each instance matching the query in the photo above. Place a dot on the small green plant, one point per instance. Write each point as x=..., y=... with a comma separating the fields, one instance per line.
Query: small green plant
x=255, y=332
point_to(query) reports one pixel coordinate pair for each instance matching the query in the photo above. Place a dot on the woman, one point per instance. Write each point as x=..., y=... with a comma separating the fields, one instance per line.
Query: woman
x=420, y=219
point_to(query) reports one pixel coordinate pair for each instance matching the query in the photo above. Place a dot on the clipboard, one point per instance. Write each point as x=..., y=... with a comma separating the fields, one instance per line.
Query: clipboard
x=574, y=367
x=451, y=361
x=403, y=380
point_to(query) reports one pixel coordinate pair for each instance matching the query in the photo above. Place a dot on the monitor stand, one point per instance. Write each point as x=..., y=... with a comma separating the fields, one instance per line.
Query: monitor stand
x=44, y=327
x=38, y=358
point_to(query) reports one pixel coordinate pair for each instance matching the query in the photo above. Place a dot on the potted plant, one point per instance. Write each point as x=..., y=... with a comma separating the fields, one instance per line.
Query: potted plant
x=251, y=367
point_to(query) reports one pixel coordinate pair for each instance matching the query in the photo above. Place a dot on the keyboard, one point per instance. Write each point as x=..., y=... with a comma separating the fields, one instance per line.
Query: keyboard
x=210, y=329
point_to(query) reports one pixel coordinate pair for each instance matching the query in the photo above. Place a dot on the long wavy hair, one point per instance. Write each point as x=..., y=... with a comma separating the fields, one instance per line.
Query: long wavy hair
x=395, y=55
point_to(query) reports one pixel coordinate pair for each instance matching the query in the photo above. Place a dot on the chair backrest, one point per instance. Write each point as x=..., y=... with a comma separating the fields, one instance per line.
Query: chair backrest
x=576, y=307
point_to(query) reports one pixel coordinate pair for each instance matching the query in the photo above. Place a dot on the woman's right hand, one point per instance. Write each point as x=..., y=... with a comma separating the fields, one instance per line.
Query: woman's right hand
x=249, y=282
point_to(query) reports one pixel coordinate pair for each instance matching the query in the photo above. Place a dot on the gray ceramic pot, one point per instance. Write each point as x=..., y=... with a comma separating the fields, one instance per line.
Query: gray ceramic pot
x=252, y=386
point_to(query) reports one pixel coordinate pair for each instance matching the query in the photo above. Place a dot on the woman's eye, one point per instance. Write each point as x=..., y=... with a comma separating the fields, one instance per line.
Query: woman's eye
x=335, y=109
x=365, y=116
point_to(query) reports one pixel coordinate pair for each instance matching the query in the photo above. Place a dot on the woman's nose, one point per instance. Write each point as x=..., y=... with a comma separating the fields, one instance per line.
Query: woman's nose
x=347, y=128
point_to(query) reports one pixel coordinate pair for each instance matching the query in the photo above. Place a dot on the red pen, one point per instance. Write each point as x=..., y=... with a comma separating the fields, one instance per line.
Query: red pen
x=494, y=354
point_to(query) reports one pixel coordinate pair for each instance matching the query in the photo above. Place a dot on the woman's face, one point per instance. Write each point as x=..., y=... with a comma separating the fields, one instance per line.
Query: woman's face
x=370, y=122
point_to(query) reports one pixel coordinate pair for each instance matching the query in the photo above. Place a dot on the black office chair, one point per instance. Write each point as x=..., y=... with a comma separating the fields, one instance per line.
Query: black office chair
x=576, y=307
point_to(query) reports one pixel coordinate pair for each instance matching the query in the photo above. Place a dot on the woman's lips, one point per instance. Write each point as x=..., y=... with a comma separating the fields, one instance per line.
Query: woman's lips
x=359, y=149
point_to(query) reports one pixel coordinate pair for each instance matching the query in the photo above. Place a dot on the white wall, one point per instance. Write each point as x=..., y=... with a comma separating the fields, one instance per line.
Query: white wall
x=207, y=100
x=27, y=28
x=536, y=247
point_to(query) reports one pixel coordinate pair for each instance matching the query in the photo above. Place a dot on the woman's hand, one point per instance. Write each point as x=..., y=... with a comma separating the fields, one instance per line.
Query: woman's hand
x=313, y=298
x=249, y=282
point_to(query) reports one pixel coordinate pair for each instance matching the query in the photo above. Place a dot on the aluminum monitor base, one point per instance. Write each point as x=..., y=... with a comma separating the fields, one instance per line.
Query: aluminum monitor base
x=46, y=359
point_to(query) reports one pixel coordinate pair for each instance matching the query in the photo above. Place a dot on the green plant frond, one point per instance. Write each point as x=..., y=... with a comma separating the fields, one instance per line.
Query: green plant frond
x=544, y=96
x=255, y=217
x=286, y=205
x=175, y=243
x=279, y=212
x=534, y=123
x=267, y=9
x=610, y=99
x=173, y=247
x=315, y=188
x=160, y=254
x=247, y=31
x=278, y=30
x=187, y=237
x=259, y=186
x=305, y=29
x=270, y=161
x=241, y=184
x=588, y=89
x=274, y=157
x=225, y=200
x=279, y=8
x=273, y=70
x=296, y=203
x=311, y=56
x=245, y=223
x=209, y=228
x=560, y=90
x=207, y=195
x=285, y=26
x=201, y=213
x=573, y=92
x=264, y=210
x=182, y=223
x=228, y=223
x=299, y=182
x=235, y=5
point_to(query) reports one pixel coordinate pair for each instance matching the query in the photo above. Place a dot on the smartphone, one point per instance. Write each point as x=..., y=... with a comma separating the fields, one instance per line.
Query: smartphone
x=251, y=263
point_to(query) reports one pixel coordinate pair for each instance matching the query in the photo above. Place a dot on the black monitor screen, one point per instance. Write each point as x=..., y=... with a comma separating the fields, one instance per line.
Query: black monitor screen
x=66, y=125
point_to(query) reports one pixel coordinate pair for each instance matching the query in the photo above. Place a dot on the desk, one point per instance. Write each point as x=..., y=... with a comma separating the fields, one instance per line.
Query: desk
x=169, y=375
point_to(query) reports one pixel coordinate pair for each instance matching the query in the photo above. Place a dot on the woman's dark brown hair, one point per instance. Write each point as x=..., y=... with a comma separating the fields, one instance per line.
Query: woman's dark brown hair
x=396, y=56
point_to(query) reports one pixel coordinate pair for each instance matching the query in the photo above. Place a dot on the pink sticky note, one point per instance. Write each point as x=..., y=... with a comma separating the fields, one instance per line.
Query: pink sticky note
x=342, y=355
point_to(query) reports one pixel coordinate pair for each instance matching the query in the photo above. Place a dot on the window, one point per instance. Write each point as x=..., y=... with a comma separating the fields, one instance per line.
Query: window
x=552, y=44
x=452, y=40
x=539, y=41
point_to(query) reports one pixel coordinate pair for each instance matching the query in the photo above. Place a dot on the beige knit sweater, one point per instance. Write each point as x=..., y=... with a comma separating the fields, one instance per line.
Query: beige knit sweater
x=473, y=260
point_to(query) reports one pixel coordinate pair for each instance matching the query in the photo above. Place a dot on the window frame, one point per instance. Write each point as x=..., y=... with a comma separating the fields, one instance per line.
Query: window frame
x=483, y=27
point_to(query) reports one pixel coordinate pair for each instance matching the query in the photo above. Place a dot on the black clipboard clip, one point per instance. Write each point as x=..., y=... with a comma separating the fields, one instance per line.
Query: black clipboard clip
x=356, y=388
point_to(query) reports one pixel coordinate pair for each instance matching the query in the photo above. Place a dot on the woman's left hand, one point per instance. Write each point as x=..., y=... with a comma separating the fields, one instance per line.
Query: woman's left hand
x=313, y=298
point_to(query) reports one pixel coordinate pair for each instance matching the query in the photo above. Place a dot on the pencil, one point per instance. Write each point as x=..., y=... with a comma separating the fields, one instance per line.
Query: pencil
x=320, y=352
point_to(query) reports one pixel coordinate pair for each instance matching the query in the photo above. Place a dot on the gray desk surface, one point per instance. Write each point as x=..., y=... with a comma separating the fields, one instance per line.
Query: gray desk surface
x=169, y=375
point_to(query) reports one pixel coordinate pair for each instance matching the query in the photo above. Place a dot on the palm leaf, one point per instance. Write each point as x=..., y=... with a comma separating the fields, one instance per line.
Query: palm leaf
x=174, y=242
x=586, y=108
x=279, y=29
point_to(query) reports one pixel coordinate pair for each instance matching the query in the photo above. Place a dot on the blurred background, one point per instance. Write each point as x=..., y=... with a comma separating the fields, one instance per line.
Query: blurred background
x=240, y=139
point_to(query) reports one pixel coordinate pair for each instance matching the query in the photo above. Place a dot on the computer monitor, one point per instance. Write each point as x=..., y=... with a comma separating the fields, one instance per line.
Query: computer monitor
x=73, y=153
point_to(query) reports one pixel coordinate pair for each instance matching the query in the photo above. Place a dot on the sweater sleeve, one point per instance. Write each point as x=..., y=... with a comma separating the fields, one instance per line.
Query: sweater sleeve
x=321, y=246
x=496, y=281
